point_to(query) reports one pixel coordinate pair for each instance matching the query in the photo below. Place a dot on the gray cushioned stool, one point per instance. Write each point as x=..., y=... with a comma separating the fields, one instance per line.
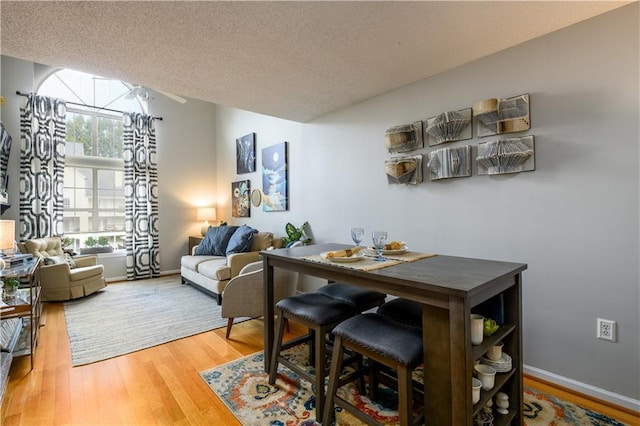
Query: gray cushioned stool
x=360, y=298
x=320, y=314
x=401, y=349
x=403, y=311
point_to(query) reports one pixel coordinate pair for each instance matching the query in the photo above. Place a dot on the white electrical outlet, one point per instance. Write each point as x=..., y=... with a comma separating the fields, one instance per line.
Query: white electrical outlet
x=606, y=330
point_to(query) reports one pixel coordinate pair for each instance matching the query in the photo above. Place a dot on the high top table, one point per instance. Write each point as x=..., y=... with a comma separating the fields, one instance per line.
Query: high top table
x=449, y=288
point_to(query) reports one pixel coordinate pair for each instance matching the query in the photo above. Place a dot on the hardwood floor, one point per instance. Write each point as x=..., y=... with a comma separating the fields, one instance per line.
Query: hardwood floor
x=156, y=386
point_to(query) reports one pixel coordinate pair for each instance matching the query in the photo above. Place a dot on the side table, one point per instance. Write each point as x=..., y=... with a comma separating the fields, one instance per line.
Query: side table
x=194, y=241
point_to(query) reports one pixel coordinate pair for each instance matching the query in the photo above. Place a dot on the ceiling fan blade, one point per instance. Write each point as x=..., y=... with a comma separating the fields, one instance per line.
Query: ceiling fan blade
x=133, y=92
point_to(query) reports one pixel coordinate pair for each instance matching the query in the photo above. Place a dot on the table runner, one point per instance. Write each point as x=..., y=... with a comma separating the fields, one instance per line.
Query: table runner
x=369, y=262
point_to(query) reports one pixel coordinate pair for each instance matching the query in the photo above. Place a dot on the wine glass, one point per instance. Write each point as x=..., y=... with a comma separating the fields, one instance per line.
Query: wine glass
x=357, y=234
x=379, y=241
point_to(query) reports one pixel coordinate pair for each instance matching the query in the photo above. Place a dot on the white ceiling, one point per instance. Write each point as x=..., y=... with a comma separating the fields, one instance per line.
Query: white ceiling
x=294, y=60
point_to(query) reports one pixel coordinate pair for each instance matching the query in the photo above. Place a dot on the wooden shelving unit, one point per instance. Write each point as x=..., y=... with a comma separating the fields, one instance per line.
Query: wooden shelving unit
x=508, y=382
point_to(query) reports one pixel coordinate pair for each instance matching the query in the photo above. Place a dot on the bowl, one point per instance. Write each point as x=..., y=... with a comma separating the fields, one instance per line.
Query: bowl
x=487, y=375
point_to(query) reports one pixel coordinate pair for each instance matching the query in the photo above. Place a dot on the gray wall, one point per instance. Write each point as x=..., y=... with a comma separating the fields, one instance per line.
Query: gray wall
x=574, y=220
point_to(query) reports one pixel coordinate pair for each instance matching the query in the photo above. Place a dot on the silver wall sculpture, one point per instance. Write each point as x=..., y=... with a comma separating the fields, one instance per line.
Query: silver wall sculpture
x=506, y=156
x=448, y=126
x=498, y=116
x=407, y=170
x=404, y=137
x=448, y=163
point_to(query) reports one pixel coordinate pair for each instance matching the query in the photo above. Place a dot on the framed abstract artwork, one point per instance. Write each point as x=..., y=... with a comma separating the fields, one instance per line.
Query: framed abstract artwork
x=240, y=198
x=246, y=154
x=275, y=178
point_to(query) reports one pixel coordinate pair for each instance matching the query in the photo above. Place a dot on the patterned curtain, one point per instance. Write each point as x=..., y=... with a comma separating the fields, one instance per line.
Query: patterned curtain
x=42, y=141
x=141, y=196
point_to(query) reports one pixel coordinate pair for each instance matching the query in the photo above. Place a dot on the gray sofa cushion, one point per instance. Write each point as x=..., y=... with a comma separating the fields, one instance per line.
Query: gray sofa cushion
x=216, y=240
x=241, y=240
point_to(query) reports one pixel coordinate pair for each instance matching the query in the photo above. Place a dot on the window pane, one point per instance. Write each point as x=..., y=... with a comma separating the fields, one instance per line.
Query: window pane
x=106, y=179
x=77, y=221
x=110, y=137
x=105, y=199
x=111, y=220
x=78, y=134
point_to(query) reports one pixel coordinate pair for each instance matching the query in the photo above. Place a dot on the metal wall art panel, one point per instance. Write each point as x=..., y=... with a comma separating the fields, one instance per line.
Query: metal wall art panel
x=449, y=126
x=506, y=156
x=407, y=170
x=498, y=116
x=404, y=137
x=448, y=163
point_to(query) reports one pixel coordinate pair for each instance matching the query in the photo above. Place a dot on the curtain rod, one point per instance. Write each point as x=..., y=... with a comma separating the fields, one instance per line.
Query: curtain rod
x=84, y=105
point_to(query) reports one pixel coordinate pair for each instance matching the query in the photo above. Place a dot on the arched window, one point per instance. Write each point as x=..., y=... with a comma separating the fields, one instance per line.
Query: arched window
x=94, y=168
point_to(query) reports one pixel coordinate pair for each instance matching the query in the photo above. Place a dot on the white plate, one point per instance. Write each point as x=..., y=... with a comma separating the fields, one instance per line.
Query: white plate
x=501, y=366
x=404, y=249
x=356, y=257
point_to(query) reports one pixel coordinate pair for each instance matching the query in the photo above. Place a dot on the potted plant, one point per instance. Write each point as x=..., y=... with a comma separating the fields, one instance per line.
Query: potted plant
x=66, y=242
x=95, y=245
x=11, y=286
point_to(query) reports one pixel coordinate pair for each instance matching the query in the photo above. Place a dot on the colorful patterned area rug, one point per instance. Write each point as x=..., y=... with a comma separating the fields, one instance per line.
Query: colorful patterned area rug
x=244, y=388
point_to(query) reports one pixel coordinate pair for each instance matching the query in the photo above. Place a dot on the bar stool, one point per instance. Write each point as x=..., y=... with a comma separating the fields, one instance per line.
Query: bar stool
x=357, y=297
x=320, y=314
x=400, y=349
x=403, y=311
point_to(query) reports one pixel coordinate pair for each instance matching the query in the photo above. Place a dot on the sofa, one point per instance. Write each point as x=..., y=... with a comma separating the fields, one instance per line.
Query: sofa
x=211, y=273
x=62, y=276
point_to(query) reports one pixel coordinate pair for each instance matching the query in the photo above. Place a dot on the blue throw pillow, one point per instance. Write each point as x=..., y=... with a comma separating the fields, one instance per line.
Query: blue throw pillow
x=215, y=241
x=241, y=240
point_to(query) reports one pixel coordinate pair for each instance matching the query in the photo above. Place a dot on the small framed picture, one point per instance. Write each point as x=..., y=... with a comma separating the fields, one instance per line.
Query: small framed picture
x=246, y=154
x=240, y=198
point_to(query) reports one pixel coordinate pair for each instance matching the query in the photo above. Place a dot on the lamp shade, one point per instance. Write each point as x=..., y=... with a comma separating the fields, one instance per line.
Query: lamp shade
x=7, y=234
x=206, y=213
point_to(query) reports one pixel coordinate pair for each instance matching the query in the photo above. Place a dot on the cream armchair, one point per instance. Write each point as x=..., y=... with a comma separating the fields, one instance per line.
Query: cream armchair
x=244, y=294
x=64, y=278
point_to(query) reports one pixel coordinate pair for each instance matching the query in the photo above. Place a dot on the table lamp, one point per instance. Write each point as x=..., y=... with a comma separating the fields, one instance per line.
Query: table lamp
x=7, y=238
x=206, y=214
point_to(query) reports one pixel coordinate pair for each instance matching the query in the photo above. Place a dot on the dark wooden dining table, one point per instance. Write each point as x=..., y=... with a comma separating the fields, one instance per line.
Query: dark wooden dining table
x=448, y=287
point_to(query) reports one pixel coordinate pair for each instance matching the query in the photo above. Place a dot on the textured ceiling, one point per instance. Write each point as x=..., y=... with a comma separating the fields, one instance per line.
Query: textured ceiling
x=294, y=60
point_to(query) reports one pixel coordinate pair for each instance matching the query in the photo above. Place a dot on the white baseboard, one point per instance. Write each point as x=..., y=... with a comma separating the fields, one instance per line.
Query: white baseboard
x=584, y=388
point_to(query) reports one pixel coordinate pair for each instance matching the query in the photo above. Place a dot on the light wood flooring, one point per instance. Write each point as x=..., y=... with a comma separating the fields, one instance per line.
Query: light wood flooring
x=156, y=386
